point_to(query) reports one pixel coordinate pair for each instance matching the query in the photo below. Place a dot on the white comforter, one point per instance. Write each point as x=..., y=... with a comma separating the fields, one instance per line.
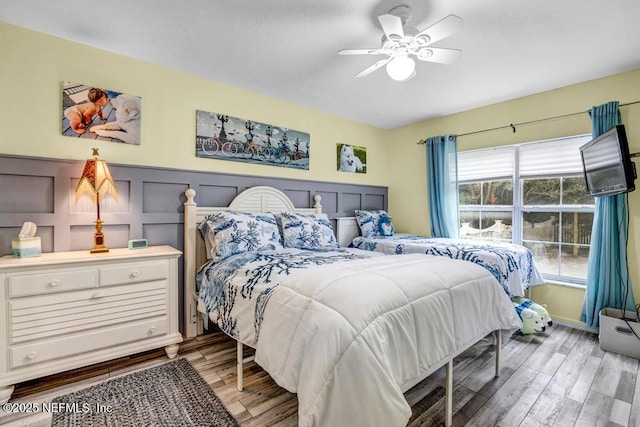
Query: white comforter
x=350, y=337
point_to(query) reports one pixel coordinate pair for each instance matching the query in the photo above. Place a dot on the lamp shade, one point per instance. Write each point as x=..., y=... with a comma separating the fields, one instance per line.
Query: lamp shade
x=96, y=180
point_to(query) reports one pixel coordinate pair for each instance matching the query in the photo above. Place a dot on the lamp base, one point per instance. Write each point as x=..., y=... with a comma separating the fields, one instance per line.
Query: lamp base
x=98, y=244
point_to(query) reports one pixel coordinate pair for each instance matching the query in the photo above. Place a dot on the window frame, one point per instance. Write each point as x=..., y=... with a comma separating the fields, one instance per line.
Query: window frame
x=518, y=209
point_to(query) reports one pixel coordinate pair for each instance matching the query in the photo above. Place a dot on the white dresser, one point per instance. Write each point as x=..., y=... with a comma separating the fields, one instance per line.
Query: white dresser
x=64, y=310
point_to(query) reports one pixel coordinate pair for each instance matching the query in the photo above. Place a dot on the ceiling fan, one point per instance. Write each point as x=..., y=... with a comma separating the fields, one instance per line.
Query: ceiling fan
x=401, y=43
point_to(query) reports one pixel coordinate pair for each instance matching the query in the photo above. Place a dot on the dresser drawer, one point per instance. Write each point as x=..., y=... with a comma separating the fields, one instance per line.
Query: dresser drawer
x=132, y=273
x=42, y=351
x=46, y=282
x=42, y=317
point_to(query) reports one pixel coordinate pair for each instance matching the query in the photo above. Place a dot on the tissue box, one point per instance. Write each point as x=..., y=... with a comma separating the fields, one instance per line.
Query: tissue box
x=24, y=247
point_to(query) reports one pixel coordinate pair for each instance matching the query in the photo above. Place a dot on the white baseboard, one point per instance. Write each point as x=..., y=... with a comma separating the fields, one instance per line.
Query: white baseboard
x=576, y=326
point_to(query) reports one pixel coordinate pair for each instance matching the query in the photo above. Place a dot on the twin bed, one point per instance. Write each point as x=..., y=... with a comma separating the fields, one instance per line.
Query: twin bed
x=512, y=265
x=348, y=330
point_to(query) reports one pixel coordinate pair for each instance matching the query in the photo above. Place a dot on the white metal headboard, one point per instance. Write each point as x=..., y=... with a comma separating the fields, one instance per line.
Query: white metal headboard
x=259, y=199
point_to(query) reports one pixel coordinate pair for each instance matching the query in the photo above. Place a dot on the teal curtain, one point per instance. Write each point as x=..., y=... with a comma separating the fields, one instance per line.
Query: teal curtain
x=608, y=275
x=442, y=185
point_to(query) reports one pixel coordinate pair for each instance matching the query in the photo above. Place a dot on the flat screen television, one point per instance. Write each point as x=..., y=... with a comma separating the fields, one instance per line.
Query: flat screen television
x=607, y=165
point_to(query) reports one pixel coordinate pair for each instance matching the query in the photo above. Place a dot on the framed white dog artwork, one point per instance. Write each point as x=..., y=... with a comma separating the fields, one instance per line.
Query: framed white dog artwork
x=352, y=158
x=95, y=113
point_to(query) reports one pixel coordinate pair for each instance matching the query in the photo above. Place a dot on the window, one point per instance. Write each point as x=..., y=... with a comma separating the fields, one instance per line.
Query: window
x=531, y=194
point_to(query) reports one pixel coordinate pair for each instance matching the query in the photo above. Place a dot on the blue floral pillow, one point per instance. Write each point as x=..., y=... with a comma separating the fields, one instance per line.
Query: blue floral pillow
x=232, y=232
x=312, y=231
x=369, y=222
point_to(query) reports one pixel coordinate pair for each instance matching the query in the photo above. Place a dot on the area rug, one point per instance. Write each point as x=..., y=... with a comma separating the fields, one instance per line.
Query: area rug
x=172, y=394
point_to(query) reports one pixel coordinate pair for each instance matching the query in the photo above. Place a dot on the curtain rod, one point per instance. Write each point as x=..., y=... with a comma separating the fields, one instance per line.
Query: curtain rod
x=513, y=125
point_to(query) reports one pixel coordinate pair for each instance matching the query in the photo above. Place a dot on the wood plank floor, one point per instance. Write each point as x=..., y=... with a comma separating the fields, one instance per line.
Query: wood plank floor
x=560, y=378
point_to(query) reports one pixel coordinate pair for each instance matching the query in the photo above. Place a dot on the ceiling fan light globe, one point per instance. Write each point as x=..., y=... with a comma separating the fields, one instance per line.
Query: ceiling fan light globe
x=401, y=68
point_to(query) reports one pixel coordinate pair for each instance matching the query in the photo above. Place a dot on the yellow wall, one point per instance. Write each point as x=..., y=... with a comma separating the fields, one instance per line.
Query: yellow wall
x=34, y=66
x=408, y=185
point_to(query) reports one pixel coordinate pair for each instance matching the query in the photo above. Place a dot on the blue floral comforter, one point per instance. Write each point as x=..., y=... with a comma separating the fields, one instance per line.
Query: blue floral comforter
x=512, y=265
x=234, y=291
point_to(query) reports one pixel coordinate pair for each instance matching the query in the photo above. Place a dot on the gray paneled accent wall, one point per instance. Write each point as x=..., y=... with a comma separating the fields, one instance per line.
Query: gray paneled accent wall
x=149, y=204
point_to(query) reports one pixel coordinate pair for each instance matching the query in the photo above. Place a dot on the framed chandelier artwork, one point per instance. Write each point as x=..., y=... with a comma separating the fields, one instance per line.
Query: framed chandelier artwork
x=219, y=136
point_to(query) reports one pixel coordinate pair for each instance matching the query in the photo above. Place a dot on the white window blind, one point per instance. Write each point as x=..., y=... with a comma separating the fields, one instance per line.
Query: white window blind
x=493, y=163
x=559, y=156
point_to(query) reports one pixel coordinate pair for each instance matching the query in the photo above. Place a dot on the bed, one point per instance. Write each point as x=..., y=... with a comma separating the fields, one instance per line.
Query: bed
x=348, y=330
x=512, y=265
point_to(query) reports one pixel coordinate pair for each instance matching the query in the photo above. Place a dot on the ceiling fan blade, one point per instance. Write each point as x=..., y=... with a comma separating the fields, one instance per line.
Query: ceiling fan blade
x=360, y=52
x=441, y=29
x=438, y=54
x=392, y=26
x=371, y=69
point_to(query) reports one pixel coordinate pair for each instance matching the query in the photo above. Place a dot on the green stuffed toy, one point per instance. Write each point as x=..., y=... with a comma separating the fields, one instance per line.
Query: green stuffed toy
x=540, y=309
x=531, y=321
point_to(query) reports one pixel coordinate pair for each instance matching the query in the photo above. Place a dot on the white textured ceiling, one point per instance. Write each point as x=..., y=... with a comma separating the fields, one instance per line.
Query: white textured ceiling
x=287, y=49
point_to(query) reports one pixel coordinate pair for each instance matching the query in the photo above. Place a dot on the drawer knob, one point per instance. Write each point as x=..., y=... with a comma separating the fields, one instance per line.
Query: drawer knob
x=152, y=330
x=54, y=282
x=96, y=295
x=32, y=355
x=135, y=274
